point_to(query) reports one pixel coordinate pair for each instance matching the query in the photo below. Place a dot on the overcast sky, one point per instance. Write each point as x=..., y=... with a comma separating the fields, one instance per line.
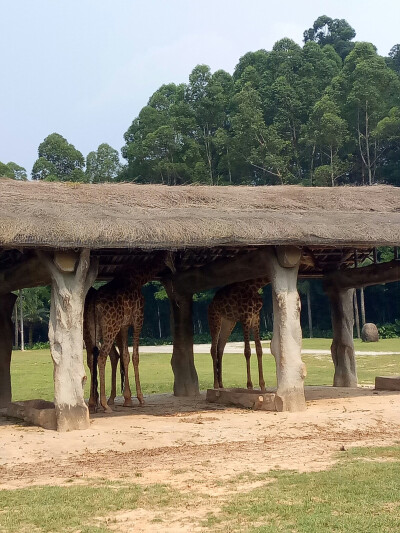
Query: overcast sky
x=85, y=68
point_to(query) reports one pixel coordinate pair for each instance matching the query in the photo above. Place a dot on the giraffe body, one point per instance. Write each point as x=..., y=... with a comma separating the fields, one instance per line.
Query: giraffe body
x=109, y=312
x=238, y=302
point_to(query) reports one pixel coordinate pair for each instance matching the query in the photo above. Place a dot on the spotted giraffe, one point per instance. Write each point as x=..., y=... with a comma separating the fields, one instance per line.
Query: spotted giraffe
x=238, y=302
x=109, y=312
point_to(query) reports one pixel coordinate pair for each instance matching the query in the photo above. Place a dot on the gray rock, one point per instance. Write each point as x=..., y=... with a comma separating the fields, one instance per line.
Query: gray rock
x=369, y=333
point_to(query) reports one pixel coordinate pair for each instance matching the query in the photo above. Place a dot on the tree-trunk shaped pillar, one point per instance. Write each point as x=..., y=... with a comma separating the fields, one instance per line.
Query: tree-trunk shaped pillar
x=7, y=302
x=286, y=341
x=71, y=277
x=186, y=382
x=342, y=347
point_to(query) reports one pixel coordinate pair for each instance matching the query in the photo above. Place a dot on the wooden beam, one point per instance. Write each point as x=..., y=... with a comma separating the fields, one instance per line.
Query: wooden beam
x=30, y=273
x=364, y=276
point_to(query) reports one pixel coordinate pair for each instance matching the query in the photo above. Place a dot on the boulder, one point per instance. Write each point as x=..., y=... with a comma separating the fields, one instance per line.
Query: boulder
x=369, y=333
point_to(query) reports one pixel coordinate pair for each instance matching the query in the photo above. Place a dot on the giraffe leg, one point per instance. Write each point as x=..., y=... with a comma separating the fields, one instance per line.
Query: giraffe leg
x=257, y=341
x=122, y=340
x=226, y=329
x=214, y=322
x=114, y=357
x=137, y=328
x=102, y=359
x=89, y=345
x=88, y=338
x=247, y=352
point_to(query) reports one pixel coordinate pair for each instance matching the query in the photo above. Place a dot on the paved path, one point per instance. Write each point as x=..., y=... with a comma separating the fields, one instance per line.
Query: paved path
x=237, y=347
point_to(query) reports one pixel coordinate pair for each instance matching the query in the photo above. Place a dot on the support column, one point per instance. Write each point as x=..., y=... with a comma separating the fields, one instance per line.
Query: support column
x=342, y=347
x=287, y=337
x=69, y=286
x=186, y=382
x=7, y=302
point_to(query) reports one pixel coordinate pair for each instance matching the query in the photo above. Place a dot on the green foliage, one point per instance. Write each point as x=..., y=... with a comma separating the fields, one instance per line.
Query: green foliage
x=389, y=331
x=19, y=173
x=5, y=171
x=102, y=165
x=13, y=171
x=322, y=114
x=58, y=161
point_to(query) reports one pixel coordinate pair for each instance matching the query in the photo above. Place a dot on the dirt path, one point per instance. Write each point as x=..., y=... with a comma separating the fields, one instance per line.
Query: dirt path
x=177, y=440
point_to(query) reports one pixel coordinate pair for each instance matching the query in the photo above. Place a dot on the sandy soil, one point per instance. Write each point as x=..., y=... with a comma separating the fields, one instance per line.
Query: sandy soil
x=184, y=442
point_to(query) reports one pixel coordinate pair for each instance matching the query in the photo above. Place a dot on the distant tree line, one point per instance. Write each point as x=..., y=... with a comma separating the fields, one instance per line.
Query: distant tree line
x=325, y=113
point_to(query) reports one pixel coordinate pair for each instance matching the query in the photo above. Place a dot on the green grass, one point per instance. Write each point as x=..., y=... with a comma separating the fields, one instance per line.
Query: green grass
x=360, y=493
x=32, y=371
x=76, y=508
x=384, y=345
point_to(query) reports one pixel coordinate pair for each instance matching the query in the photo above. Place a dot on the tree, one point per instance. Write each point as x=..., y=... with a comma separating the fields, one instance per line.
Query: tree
x=326, y=131
x=365, y=91
x=393, y=60
x=58, y=158
x=102, y=165
x=19, y=173
x=5, y=171
x=35, y=308
x=44, y=169
x=209, y=96
x=336, y=32
x=260, y=145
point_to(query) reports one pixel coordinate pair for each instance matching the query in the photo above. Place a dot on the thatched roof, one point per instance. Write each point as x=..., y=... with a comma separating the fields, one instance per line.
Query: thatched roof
x=155, y=216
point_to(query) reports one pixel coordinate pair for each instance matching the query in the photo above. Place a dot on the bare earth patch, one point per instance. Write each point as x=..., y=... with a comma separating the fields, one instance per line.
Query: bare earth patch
x=197, y=447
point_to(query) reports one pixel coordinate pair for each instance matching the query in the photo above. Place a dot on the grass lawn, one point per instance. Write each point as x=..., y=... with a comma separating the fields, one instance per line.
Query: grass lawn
x=360, y=493
x=32, y=371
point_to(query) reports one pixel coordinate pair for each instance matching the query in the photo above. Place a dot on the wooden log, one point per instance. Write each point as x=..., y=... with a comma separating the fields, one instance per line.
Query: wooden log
x=374, y=274
x=387, y=383
x=37, y=412
x=250, y=399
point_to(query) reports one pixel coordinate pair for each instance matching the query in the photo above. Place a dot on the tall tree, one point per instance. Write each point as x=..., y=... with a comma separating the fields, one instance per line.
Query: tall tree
x=103, y=164
x=326, y=132
x=19, y=173
x=393, y=60
x=59, y=158
x=366, y=89
x=336, y=32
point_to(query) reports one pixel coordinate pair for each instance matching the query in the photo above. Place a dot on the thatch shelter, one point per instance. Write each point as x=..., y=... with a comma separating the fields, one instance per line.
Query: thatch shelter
x=70, y=234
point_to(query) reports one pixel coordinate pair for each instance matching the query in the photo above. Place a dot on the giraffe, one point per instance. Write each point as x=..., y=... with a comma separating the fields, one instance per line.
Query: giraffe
x=238, y=302
x=109, y=312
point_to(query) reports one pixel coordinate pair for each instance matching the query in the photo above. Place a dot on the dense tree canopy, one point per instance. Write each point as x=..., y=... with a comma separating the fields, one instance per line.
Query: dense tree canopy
x=102, y=165
x=326, y=113
x=58, y=161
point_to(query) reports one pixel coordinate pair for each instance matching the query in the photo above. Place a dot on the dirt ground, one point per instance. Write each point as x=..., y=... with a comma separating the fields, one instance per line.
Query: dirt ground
x=183, y=441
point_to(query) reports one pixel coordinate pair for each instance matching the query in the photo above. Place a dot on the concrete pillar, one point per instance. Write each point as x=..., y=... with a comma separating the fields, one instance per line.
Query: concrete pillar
x=342, y=347
x=7, y=302
x=70, y=281
x=286, y=341
x=186, y=382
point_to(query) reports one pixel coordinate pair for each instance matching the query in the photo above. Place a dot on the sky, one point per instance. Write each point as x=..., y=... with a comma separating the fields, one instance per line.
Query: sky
x=85, y=68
